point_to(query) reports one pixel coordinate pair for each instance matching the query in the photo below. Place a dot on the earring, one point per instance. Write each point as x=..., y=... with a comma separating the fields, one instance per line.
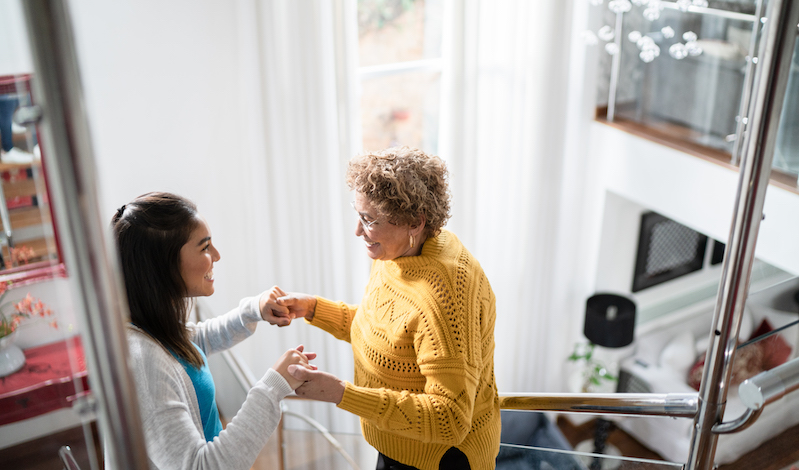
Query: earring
x=411, y=241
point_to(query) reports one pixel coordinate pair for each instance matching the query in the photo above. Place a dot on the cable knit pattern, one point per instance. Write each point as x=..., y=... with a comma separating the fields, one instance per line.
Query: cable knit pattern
x=423, y=343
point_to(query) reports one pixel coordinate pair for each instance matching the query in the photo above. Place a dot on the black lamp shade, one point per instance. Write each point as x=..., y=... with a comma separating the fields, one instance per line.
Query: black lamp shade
x=609, y=320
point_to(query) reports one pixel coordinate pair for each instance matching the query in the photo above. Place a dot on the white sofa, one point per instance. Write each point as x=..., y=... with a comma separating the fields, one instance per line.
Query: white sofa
x=663, y=356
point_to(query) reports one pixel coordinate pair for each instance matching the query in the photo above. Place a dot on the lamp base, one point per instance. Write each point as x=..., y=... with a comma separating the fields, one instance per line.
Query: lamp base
x=598, y=461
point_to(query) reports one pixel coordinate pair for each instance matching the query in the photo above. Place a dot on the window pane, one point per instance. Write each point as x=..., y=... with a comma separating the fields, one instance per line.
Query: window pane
x=398, y=30
x=400, y=110
x=786, y=155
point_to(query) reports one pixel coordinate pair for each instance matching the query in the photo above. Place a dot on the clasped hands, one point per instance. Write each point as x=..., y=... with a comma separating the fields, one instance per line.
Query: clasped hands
x=280, y=308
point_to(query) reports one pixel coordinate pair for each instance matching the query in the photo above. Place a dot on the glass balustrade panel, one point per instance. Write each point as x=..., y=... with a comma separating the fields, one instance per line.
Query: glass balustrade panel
x=680, y=70
x=786, y=153
x=516, y=457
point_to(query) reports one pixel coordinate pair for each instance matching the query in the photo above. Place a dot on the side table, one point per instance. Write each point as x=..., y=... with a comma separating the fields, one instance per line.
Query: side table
x=47, y=381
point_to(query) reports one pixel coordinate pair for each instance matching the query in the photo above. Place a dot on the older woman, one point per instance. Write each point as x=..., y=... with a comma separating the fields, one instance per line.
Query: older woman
x=423, y=334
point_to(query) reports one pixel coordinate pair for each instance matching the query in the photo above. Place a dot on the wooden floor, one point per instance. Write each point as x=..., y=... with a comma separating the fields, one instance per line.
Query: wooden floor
x=42, y=453
x=310, y=451
x=779, y=453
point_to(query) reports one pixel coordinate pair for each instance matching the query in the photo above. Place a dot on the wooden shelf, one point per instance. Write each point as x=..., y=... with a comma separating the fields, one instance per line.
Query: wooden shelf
x=25, y=217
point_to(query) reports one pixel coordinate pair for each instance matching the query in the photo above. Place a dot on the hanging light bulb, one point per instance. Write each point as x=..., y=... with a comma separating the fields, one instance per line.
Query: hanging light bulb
x=645, y=42
x=647, y=55
x=689, y=36
x=649, y=51
x=606, y=33
x=652, y=13
x=683, y=5
x=620, y=6
x=589, y=38
x=634, y=36
x=612, y=48
x=678, y=51
x=693, y=48
x=668, y=32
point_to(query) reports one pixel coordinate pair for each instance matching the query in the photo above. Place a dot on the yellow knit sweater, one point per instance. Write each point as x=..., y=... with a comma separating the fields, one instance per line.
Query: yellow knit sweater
x=423, y=344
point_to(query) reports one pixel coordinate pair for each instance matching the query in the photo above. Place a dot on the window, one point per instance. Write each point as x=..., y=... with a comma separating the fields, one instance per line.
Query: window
x=400, y=72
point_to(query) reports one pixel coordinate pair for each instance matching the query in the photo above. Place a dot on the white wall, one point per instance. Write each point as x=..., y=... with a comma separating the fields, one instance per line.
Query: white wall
x=15, y=55
x=167, y=112
x=694, y=192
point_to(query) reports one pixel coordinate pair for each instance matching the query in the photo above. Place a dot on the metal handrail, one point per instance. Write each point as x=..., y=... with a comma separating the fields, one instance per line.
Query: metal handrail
x=676, y=405
x=769, y=386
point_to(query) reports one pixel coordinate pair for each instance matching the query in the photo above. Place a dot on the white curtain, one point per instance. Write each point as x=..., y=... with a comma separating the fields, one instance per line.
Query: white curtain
x=519, y=181
x=519, y=190
x=300, y=125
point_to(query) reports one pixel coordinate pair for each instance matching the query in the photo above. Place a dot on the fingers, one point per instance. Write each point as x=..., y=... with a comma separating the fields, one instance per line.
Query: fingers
x=279, y=310
x=280, y=292
x=299, y=372
x=271, y=311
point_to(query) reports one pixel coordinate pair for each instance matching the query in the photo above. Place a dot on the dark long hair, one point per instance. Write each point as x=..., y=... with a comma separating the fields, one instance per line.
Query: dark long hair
x=149, y=232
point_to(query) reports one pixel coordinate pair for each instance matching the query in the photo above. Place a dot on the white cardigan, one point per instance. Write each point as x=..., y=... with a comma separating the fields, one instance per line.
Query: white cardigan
x=170, y=414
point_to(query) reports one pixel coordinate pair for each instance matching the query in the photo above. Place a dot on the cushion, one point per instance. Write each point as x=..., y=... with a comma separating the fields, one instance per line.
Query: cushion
x=679, y=354
x=750, y=360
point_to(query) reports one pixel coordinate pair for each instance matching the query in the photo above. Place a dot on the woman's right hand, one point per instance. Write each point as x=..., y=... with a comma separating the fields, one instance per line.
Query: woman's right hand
x=294, y=356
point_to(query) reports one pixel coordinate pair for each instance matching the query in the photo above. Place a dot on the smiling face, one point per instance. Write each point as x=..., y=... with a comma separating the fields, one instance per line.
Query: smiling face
x=384, y=240
x=197, y=258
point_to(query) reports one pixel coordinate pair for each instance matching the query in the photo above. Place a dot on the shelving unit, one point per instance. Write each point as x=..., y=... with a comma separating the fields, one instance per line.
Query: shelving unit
x=29, y=213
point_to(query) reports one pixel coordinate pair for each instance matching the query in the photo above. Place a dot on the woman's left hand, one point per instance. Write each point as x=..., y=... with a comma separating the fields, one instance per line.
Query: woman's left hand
x=271, y=311
x=320, y=386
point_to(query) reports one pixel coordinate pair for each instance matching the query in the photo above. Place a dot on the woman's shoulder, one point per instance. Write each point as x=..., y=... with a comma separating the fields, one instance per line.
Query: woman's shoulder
x=447, y=251
x=144, y=349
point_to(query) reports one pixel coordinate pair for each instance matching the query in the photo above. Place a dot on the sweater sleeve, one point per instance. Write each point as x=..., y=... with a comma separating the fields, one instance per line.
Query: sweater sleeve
x=334, y=317
x=443, y=412
x=225, y=331
x=170, y=425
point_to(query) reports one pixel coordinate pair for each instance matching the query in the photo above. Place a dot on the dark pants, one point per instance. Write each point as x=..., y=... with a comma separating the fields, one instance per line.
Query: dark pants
x=454, y=459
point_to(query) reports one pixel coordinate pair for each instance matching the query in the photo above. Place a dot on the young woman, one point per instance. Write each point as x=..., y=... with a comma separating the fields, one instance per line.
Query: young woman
x=167, y=258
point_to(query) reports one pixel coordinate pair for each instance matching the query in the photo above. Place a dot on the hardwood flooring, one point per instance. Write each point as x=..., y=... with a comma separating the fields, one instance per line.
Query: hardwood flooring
x=42, y=453
x=779, y=453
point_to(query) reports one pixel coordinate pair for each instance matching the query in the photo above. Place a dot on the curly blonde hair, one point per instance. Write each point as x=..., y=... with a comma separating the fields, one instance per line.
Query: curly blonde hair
x=403, y=183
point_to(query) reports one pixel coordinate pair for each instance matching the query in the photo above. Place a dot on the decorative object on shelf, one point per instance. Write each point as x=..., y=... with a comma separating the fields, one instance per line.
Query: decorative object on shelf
x=20, y=255
x=11, y=356
x=647, y=43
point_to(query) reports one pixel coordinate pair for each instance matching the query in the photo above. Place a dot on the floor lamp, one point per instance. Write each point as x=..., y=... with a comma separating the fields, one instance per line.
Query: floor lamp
x=609, y=323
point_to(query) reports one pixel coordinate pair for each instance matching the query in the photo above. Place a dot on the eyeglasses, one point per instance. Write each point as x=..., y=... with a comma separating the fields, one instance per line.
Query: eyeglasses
x=364, y=223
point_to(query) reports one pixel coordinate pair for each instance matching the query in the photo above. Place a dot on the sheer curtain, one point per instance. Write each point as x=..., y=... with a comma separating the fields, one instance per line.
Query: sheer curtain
x=519, y=190
x=300, y=126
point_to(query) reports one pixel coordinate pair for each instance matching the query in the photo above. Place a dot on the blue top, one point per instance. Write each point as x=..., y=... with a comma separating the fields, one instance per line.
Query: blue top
x=206, y=394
